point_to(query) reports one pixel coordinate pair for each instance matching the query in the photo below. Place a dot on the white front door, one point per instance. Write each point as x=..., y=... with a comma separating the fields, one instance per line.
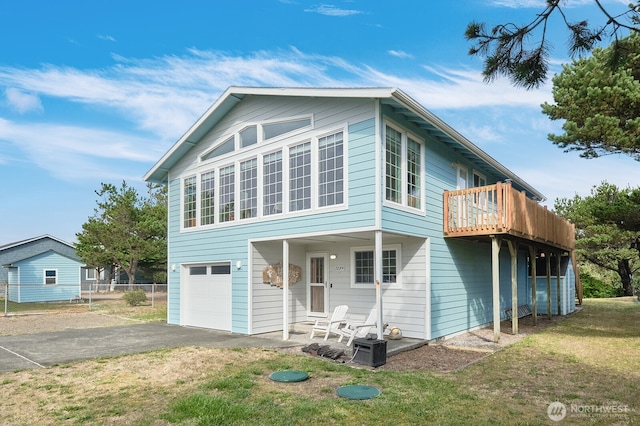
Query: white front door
x=317, y=296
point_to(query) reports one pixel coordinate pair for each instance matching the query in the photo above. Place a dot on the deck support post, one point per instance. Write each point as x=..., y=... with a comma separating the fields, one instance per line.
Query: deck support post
x=495, y=275
x=378, y=278
x=513, y=249
x=534, y=293
x=558, y=291
x=285, y=290
x=548, y=258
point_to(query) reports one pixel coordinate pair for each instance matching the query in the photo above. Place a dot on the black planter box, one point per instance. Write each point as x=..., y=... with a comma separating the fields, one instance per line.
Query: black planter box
x=370, y=352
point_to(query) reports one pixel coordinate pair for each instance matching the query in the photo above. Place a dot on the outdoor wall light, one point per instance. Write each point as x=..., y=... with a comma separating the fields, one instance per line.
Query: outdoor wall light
x=239, y=264
x=173, y=267
x=333, y=257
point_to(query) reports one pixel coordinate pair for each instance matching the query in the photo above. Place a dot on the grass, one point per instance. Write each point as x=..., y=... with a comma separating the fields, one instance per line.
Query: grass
x=590, y=362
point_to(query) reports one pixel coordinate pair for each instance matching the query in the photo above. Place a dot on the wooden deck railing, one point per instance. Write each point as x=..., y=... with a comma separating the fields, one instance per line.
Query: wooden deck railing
x=500, y=209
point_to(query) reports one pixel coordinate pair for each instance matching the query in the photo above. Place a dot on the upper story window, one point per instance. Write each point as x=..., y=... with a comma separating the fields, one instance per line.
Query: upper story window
x=272, y=183
x=256, y=133
x=300, y=177
x=249, y=189
x=227, y=194
x=403, y=168
x=50, y=276
x=331, y=170
x=189, y=202
x=272, y=130
x=207, y=198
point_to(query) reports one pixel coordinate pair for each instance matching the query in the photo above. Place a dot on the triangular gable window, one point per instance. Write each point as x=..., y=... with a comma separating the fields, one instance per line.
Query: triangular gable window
x=224, y=148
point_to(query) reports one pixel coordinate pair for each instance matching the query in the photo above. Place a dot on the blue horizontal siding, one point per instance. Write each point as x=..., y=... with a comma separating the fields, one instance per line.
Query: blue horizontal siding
x=31, y=279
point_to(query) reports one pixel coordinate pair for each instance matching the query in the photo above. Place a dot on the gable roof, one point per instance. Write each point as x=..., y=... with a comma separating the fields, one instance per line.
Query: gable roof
x=394, y=98
x=31, y=240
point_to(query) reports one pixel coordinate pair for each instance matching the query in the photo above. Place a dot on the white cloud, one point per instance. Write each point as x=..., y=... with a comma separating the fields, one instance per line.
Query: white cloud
x=106, y=37
x=72, y=152
x=400, y=54
x=331, y=10
x=22, y=102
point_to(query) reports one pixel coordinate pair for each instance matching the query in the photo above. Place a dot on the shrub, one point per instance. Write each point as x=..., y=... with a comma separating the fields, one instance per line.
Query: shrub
x=135, y=297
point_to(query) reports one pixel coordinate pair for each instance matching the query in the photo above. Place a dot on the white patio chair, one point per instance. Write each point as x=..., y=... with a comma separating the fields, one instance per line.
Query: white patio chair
x=331, y=325
x=358, y=329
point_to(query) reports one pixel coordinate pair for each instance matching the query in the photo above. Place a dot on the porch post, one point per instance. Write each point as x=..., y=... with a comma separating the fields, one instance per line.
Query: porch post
x=548, y=258
x=558, y=258
x=513, y=249
x=534, y=279
x=285, y=290
x=495, y=274
x=378, y=279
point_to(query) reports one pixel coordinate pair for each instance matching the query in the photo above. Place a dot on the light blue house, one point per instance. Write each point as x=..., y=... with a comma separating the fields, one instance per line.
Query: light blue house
x=40, y=269
x=350, y=187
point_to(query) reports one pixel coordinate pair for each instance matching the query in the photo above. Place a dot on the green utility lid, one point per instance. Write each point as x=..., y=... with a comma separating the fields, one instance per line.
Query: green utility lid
x=289, y=376
x=358, y=392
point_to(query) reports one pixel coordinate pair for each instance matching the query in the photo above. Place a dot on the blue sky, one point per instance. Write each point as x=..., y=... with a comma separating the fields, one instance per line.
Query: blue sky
x=95, y=92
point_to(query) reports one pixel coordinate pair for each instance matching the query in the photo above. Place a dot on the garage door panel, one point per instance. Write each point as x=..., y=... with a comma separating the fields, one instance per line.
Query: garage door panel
x=208, y=296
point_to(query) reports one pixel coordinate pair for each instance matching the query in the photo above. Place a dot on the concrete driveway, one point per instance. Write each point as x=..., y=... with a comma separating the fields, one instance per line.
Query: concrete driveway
x=45, y=349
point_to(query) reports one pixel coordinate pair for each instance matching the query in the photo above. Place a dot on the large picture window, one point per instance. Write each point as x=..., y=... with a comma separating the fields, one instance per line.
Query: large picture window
x=296, y=178
x=300, y=177
x=249, y=189
x=272, y=183
x=330, y=173
x=403, y=169
x=227, y=194
x=207, y=198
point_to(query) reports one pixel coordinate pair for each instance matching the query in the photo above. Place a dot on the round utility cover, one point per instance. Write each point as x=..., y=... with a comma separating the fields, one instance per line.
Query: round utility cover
x=289, y=376
x=358, y=392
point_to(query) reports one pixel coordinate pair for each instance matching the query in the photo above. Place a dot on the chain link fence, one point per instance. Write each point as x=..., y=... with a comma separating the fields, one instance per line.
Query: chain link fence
x=37, y=298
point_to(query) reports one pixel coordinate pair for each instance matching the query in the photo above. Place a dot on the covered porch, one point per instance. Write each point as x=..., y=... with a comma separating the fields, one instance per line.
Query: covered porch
x=322, y=275
x=498, y=214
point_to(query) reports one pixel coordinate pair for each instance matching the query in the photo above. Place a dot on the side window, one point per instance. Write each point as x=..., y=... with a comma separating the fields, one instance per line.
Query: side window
x=227, y=194
x=331, y=173
x=300, y=177
x=272, y=183
x=189, y=202
x=50, y=276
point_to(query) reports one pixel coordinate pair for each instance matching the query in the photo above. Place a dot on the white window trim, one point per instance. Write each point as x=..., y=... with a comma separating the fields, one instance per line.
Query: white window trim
x=352, y=266
x=284, y=147
x=44, y=275
x=403, y=205
x=95, y=274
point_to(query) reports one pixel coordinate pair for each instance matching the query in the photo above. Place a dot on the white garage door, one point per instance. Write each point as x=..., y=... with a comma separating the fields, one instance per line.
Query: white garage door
x=207, y=296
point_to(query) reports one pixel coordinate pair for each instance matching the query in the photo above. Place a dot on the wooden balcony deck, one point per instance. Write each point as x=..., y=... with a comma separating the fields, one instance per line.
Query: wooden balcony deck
x=501, y=210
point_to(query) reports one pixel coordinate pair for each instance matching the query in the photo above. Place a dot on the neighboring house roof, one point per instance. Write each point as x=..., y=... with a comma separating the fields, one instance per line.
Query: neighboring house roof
x=25, y=249
x=394, y=98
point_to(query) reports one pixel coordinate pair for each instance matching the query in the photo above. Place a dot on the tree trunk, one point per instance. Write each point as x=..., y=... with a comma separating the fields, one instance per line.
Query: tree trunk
x=624, y=270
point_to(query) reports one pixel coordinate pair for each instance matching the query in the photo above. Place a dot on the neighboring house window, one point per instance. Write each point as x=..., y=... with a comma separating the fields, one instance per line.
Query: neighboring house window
x=207, y=198
x=227, y=194
x=249, y=189
x=50, y=276
x=403, y=168
x=189, y=202
x=91, y=274
x=363, y=266
x=300, y=177
x=331, y=170
x=272, y=183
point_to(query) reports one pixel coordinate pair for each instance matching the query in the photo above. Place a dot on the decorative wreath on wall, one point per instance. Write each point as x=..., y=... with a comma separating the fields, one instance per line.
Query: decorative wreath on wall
x=272, y=274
